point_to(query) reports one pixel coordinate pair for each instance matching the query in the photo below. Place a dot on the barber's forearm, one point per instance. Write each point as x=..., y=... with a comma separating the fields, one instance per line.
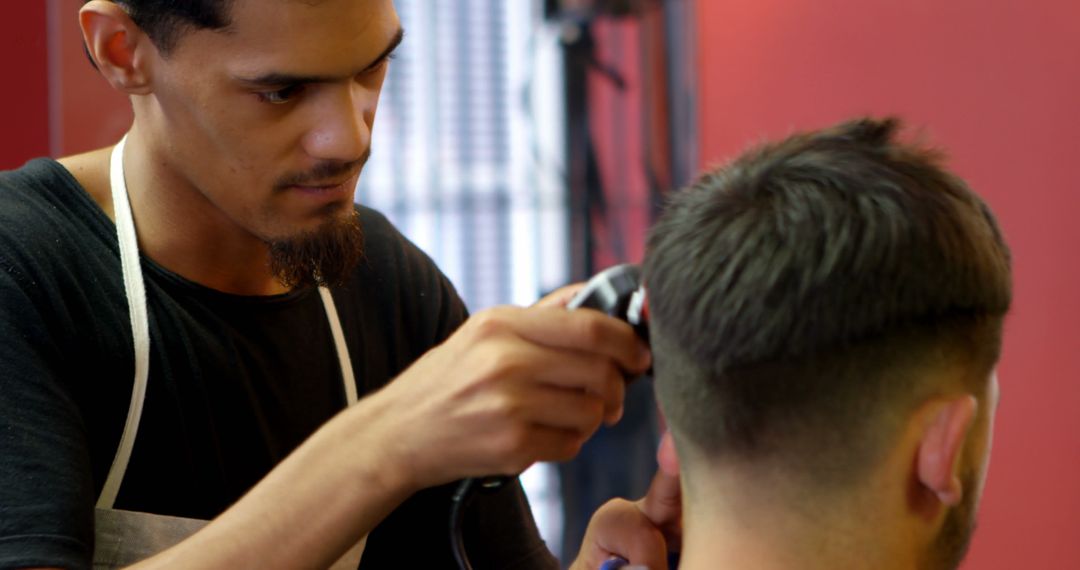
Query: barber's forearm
x=334, y=489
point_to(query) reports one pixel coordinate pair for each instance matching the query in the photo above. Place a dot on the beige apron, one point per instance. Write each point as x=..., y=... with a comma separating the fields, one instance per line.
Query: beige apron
x=125, y=537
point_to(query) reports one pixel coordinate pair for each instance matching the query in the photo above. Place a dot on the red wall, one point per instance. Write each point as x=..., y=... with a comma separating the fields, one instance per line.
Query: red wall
x=24, y=107
x=998, y=85
x=40, y=58
x=90, y=114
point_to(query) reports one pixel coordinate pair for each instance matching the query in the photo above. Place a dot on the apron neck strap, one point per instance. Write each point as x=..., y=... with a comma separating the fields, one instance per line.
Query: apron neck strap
x=135, y=291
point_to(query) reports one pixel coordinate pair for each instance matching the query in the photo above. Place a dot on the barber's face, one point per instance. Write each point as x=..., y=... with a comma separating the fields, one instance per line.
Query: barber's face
x=267, y=124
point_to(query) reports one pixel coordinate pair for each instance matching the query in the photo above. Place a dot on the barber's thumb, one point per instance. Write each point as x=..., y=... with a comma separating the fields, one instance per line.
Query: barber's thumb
x=620, y=528
x=662, y=504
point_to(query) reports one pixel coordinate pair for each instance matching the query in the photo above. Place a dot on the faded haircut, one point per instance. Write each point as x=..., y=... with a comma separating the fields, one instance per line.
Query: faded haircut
x=806, y=295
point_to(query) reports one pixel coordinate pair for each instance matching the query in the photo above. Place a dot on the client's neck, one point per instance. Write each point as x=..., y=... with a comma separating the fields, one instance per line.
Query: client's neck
x=741, y=522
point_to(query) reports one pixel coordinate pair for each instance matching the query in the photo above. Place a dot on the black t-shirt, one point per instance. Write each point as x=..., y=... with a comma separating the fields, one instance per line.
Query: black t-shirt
x=235, y=383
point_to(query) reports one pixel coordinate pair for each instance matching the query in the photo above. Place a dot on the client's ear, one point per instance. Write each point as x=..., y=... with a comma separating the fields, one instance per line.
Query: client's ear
x=947, y=423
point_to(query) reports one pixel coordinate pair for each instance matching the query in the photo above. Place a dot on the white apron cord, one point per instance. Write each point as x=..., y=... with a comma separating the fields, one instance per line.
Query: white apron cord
x=168, y=530
x=140, y=329
x=344, y=362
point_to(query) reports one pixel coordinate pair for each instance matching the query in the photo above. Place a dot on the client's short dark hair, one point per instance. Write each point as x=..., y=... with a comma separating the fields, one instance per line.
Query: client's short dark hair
x=803, y=294
x=164, y=21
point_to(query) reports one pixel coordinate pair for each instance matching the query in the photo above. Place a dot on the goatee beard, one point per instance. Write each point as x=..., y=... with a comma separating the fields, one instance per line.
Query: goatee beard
x=325, y=256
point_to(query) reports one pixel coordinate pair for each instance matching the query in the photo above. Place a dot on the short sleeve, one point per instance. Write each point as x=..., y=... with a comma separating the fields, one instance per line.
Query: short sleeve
x=46, y=491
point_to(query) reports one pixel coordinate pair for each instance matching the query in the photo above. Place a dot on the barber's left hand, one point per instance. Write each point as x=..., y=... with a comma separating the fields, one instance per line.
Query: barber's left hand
x=642, y=531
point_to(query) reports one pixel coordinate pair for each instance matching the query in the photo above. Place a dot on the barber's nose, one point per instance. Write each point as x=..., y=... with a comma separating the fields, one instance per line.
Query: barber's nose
x=342, y=130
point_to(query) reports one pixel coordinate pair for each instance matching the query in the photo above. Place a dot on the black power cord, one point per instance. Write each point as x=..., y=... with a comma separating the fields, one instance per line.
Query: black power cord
x=464, y=495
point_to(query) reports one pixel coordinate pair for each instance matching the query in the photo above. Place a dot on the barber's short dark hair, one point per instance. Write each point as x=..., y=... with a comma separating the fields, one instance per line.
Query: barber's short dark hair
x=813, y=286
x=164, y=21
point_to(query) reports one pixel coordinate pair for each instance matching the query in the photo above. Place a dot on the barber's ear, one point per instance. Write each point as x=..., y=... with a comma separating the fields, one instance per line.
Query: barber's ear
x=119, y=48
x=947, y=424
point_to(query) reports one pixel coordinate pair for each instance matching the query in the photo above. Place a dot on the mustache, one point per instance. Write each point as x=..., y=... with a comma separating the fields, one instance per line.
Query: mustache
x=323, y=173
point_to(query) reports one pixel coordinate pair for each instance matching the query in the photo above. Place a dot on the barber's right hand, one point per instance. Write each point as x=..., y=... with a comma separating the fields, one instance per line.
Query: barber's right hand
x=511, y=387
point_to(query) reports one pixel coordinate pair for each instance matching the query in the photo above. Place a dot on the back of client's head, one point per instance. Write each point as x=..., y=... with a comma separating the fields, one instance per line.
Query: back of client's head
x=805, y=298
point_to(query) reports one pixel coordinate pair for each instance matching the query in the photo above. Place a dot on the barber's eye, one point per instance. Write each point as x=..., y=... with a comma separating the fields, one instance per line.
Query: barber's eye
x=381, y=64
x=386, y=60
x=281, y=96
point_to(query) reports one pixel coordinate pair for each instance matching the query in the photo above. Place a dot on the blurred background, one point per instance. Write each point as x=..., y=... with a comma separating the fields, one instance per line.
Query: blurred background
x=525, y=144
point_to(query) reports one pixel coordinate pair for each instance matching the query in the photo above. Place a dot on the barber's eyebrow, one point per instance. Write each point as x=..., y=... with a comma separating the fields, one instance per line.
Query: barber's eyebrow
x=276, y=79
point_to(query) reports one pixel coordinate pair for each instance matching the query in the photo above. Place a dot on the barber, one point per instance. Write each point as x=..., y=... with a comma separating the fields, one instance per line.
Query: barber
x=197, y=324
